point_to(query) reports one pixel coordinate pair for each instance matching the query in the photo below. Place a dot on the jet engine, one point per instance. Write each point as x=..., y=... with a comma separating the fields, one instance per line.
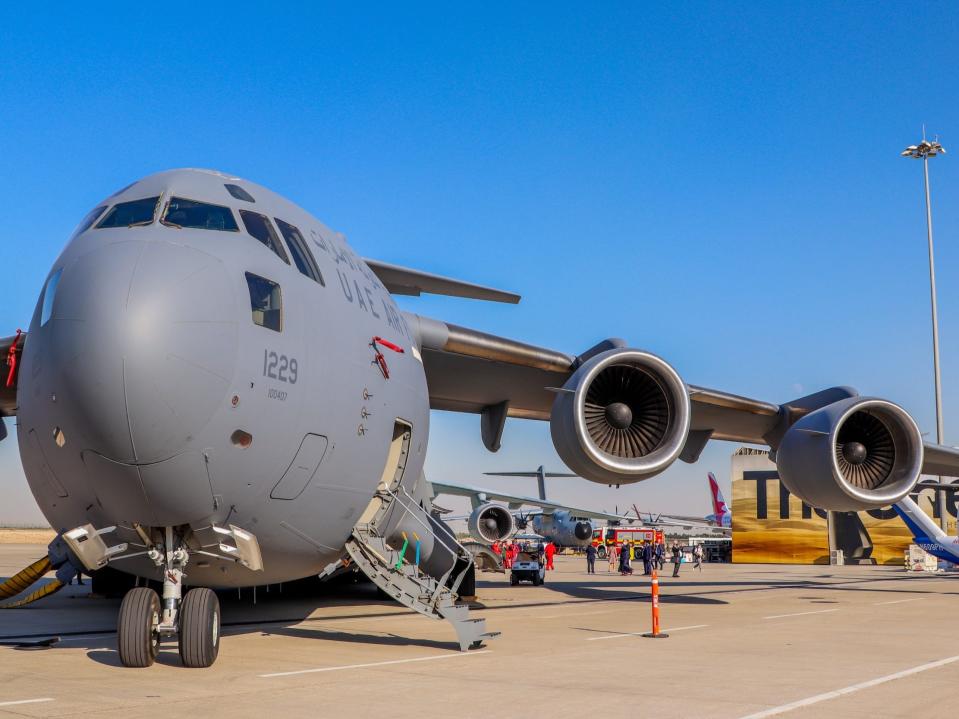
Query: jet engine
x=855, y=454
x=583, y=531
x=491, y=523
x=622, y=417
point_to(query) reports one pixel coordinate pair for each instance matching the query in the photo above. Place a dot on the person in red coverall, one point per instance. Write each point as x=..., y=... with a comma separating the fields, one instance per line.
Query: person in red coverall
x=550, y=551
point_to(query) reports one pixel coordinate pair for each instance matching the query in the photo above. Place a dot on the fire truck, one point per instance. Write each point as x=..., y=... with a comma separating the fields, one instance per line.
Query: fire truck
x=605, y=537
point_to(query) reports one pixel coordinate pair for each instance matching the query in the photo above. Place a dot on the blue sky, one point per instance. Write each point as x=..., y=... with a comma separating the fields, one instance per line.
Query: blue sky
x=719, y=184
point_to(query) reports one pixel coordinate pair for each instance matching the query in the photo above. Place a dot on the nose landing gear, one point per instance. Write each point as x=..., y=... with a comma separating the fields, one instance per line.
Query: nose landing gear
x=146, y=618
x=194, y=618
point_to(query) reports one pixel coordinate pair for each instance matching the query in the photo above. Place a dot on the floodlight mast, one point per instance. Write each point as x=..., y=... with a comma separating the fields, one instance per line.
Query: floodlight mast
x=923, y=151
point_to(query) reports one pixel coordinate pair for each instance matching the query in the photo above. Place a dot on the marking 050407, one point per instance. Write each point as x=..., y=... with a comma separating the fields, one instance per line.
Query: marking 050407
x=280, y=367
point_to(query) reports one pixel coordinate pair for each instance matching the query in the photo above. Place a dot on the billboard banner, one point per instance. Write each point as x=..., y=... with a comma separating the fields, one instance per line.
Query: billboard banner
x=772, y=526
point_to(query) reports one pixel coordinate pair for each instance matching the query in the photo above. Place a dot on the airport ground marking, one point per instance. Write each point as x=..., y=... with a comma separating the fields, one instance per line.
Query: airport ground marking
x=897, y=601
x=376, y=664
x=639, y=634
x=26, y=701
x=802, y=614
x=782, y=709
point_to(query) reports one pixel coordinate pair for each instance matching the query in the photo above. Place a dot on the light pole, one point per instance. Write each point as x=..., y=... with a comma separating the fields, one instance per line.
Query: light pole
x=923, y=151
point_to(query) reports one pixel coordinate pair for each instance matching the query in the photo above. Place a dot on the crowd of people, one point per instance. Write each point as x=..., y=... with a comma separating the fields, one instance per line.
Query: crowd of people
x=620, y=556
x=652, y=555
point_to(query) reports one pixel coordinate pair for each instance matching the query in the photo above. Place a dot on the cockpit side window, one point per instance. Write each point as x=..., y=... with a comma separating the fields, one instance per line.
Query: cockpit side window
x=266, y=301
x=259, y=227
x=239, y=193
x=49, y=296
x=131, y=214
x=92, y=216
x=198, y=215
x=302, y=257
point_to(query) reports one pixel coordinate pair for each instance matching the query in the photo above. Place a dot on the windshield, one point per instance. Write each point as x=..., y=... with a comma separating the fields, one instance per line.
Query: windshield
x=198, y=215
x=259, y=227
x=129, y=214
x=88, y=221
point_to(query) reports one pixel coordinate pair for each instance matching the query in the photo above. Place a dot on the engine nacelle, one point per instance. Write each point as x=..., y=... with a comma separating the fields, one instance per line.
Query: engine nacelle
x=622, y=417
x=491, y=523
x=583, y=531
x=855, y=454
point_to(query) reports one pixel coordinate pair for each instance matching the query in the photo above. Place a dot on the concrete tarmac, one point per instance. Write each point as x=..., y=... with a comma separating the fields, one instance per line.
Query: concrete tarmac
x=745, y=641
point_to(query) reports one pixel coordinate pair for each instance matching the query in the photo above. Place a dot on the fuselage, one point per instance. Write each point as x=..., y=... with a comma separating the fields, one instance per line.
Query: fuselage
x=564, y=530
x=188, y=366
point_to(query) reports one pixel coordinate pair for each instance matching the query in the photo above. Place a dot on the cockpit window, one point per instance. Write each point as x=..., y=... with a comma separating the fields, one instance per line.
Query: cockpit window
x=259, y=227
x=302, y=257
x=266, y=301
x=198, y=215
x=88, y=221
x=131, y=214
x=239, y=193
x=49, y=295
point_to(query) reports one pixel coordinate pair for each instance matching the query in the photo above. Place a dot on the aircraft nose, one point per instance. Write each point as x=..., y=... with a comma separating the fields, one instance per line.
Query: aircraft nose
x=145, y=338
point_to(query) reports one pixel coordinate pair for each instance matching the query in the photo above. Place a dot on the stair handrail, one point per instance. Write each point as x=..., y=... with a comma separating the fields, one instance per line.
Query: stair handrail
x=463, y=552
x=457, y=550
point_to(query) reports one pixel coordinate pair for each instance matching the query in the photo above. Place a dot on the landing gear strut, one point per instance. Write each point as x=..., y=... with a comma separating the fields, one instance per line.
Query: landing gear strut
x=194, y=618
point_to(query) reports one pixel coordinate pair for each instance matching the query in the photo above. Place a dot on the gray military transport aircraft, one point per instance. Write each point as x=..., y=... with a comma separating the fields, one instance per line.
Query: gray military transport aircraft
x=215, y=389
x=555, y=522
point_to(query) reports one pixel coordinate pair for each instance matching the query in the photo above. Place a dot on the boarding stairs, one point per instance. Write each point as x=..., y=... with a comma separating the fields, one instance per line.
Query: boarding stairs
x=404, y=581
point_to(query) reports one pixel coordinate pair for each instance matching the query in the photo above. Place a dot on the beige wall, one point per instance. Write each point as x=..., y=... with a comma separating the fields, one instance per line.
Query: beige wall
x=797, y=540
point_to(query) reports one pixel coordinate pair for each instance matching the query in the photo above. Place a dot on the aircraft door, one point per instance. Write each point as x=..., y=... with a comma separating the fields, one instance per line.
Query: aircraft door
x=301, y=470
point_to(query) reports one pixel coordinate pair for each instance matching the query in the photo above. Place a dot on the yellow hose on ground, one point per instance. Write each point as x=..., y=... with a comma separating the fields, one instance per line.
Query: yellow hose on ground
x=46, y=590
x=22, y=580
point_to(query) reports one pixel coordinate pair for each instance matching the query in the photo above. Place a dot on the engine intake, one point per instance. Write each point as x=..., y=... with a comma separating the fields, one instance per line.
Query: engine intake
x=491, y=523
x=622, y=417
x=855, y=454
x=583, y=530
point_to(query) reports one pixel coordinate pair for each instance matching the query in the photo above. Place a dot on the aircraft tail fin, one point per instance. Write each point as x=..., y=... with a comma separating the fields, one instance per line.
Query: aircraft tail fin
x=916, y=520
x=406, y=281
x=540, y=474
x=720, y=508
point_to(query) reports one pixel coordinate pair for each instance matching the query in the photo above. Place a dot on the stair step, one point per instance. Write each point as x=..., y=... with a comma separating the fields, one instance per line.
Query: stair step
x=410, y=587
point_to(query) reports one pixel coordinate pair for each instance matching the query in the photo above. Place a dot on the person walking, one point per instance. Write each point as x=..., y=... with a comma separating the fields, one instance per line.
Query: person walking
x=624, y=567
x=647, y=558
x=591, y=559
x=612, y=555
x=660, y=556
x=677, y=558
x=698, y=557
x=550, y=551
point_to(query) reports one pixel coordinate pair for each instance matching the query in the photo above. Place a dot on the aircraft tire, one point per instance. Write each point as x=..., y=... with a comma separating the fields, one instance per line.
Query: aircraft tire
x=199, y=628
x=138, y=640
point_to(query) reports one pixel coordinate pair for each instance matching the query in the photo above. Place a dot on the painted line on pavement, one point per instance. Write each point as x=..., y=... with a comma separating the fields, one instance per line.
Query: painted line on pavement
x=897, y=601
x=782, y=709
x=801, y=614
x=376, y=664
x=572, y=614
x=26, y=701
x=639, y=634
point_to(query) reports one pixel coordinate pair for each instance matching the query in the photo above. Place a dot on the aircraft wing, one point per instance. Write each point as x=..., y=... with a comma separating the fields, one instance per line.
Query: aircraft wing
x=472, y=371
x=478, y=496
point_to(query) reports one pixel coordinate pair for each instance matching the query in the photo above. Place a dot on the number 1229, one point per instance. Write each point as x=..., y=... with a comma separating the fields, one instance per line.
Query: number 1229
x=279, y=367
